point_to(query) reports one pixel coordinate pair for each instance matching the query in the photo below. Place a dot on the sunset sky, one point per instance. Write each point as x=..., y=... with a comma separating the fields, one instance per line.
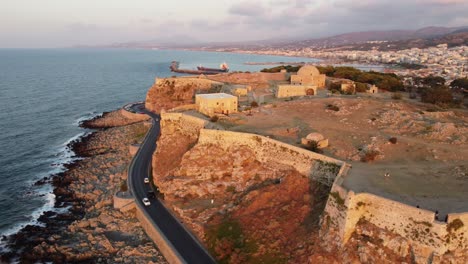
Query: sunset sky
x=62, y=23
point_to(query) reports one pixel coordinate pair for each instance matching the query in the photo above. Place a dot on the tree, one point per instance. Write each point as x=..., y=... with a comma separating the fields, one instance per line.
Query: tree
x=437, y=95
x=347, y=73
x=361, y=87
x=433, y=81
x=327, y=70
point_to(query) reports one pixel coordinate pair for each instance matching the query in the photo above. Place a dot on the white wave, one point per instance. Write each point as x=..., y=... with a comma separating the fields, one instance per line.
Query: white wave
x=64, y=155
x=87, y=116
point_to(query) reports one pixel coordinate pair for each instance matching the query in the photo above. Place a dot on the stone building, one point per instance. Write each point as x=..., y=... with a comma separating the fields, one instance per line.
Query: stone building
x=237, y=89
x=372, y=89
x=291, y=90
x=216, y=103
x=308, y=75
x=318, y=138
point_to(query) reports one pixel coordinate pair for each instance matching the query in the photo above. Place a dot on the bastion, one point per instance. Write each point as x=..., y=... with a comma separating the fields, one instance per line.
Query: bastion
x=428, y=239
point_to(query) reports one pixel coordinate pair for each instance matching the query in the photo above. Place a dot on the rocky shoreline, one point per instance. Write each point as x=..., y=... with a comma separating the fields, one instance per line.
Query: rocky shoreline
x=85, y=228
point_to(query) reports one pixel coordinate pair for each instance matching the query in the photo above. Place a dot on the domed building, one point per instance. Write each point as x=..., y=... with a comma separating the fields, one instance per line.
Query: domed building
x=308, y=75
x=318, y=138
x=305, y=83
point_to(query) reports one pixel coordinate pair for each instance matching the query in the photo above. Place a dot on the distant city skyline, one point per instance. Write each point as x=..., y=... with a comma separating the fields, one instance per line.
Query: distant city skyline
x=58, y=23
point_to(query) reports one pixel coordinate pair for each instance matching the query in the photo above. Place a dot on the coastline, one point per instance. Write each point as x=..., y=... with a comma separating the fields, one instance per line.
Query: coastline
x=84, y=227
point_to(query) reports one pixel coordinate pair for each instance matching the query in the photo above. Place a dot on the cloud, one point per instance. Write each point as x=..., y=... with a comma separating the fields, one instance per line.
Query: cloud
x=318, y=18
x=79, y=27
x=247, y=8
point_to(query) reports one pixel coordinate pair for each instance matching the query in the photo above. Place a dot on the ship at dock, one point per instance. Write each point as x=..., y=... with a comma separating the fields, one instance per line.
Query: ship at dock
x=223, y=67
x=200, y=69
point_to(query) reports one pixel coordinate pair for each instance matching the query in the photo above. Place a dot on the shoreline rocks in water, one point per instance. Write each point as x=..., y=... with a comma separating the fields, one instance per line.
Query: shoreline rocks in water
x=90, y=230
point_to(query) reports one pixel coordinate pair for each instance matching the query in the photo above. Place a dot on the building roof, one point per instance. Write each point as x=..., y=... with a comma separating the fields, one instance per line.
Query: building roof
x=315, y=136
x=215, y=96
x=308, y=70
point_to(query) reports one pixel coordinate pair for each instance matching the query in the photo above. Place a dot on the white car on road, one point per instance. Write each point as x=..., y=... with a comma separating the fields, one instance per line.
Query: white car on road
x=146, y=201
x=146, y=180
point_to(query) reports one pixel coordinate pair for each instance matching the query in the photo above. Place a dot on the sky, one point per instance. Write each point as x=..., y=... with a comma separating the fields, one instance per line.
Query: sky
x=65, y=23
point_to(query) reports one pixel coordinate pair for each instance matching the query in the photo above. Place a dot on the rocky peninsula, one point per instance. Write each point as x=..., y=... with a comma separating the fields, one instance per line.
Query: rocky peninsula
x=85, y=228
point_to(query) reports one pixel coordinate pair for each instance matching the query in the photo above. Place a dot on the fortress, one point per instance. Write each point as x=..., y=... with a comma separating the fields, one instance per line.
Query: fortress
x=406, y=230
x=425, y=238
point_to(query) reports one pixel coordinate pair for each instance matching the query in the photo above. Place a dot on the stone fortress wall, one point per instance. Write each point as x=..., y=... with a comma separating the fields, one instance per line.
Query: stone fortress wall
x=199, y=82
x=429, y=238
x=266, y=149
x=269, y=150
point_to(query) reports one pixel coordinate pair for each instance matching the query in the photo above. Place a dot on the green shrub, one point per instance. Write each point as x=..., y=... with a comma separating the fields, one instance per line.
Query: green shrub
x=454, y=225
x=370, y=155
x=313, y=146
x=438, y=95
x=123, y=186
x=361, y=87
x=333, y=107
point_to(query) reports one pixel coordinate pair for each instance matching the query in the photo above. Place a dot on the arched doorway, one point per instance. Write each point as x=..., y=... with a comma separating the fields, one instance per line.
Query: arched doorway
x=310, y=92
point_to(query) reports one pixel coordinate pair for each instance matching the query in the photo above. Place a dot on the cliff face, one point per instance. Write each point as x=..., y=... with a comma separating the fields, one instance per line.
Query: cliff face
x=171, y=92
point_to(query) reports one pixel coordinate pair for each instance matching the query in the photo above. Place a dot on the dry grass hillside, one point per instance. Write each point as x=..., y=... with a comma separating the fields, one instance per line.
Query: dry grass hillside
x=427, y=163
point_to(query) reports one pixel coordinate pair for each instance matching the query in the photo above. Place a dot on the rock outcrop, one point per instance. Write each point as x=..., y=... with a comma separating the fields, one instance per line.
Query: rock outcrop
x=171, y=92
x=91, y=231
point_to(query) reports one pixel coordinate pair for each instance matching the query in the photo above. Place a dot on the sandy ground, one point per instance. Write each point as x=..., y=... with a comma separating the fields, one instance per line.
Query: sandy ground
x=428, y=166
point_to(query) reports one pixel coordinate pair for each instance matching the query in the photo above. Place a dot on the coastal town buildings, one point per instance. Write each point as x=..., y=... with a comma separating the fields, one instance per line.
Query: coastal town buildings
x=441, y=60
x=216, y=103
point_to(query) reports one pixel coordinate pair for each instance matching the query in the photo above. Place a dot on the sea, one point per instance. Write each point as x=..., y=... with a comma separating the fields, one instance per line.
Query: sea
x=45, y=93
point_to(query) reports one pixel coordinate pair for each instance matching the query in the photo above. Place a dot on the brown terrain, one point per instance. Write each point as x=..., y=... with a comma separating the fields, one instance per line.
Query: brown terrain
x=209, y=187
x=427, y=163
x=236, y=206
x=92, y=231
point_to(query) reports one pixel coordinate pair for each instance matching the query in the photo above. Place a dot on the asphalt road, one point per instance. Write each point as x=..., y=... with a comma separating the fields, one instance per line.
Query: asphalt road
x=187, y=246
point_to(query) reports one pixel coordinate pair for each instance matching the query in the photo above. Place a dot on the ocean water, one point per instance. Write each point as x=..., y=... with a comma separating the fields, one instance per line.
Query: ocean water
x=44, y=94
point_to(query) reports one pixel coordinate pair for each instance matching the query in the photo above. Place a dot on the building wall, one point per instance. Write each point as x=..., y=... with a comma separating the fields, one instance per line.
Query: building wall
x=317, y=80
x=289, y=90
x=191, y=125
x=211, y=106
x=164, y=245
x=373, y=89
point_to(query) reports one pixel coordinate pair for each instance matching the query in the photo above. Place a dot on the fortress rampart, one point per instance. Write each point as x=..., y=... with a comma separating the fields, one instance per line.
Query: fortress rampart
x=266, y=149
x=270, y=150
x=189, y=125
x=200, y=83
x=429, y=238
